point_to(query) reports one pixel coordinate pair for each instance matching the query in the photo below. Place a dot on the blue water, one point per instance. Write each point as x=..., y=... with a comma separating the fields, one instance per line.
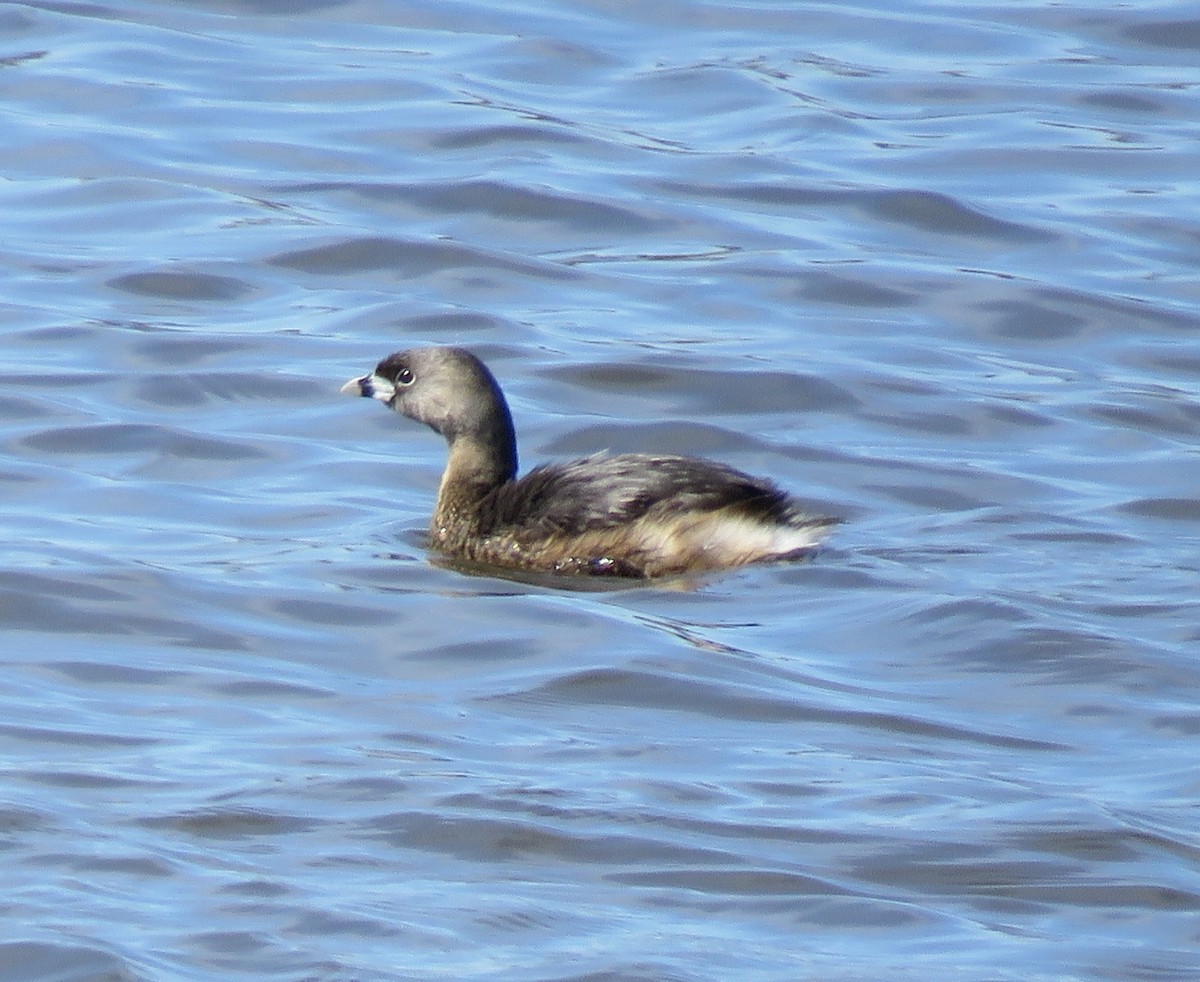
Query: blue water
x=932, y=267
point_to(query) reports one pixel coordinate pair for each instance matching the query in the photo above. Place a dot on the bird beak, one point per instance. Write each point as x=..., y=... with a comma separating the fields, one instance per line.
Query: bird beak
x=371, y=386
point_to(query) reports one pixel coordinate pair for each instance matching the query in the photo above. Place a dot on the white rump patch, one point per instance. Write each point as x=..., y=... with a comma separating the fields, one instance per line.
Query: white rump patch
x=717, y=540
x=754, y=541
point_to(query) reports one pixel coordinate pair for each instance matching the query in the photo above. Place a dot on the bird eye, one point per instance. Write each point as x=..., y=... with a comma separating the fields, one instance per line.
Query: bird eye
x=404, y=377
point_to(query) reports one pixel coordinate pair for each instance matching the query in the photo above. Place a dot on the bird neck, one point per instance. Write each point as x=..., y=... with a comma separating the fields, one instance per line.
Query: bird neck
x=477, y=464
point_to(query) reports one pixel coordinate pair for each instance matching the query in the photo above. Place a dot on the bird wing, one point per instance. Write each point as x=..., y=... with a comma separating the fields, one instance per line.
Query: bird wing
x=603, y=491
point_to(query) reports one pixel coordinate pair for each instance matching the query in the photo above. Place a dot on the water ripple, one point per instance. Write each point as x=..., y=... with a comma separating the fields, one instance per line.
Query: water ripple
x=931, y=269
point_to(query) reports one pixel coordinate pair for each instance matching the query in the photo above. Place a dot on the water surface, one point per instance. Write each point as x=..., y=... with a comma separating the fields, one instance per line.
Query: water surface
x=931, y=267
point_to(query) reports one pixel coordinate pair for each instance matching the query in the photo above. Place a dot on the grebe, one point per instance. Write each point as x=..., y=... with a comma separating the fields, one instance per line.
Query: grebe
x=633, y=515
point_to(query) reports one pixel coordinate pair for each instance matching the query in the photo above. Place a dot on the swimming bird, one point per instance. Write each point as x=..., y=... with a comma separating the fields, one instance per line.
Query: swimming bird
x=632, y=515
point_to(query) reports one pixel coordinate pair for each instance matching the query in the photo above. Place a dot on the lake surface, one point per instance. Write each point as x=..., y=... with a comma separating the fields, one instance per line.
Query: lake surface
x=932, y=267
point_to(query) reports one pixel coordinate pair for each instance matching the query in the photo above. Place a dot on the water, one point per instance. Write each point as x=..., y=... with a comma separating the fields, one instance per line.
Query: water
x=932, y=267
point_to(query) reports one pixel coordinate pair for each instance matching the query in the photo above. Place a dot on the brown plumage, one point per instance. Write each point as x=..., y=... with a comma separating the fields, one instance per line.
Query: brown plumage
x=638, y=515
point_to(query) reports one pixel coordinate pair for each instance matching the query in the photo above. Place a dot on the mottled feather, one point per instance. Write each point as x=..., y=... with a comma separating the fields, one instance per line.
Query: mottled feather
x=603, y=491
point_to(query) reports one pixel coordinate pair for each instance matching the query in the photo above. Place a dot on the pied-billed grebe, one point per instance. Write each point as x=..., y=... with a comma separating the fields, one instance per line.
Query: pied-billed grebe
x=638, y=515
